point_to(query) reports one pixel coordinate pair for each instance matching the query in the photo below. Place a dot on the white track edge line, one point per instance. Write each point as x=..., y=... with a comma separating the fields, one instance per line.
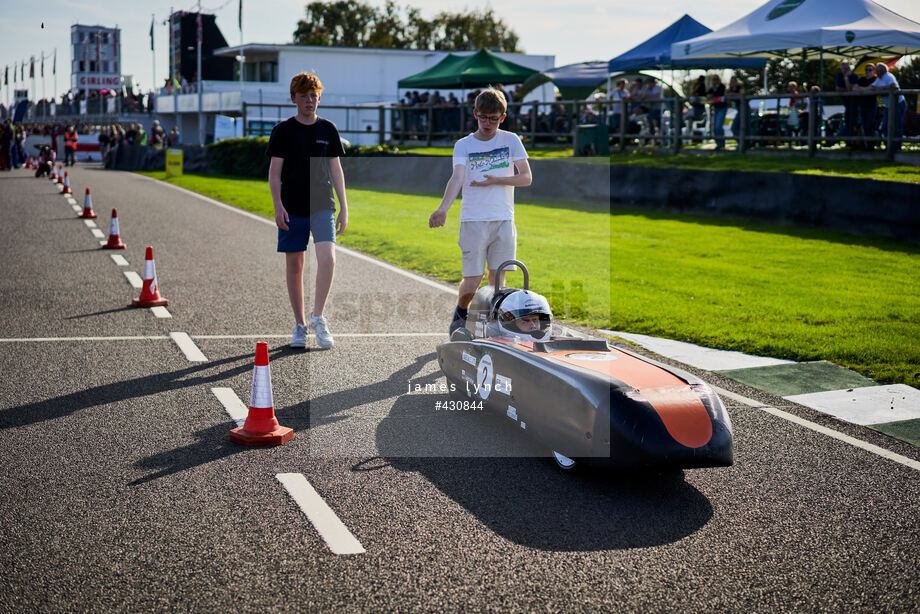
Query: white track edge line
x=59, y=339
x=858, y=443
x=333, y=531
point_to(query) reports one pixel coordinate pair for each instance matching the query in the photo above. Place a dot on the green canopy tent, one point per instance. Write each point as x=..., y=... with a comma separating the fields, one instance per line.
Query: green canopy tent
x=480, y=69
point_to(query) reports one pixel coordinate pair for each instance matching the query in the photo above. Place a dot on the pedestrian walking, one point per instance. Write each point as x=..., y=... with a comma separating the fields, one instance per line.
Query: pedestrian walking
x=304, y=170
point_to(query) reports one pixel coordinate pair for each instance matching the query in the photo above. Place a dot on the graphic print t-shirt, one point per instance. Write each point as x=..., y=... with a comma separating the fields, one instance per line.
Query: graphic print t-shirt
x=493, y=157
x=306, y=186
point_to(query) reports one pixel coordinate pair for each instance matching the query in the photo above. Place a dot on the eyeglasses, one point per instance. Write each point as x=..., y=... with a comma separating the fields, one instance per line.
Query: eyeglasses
x=490, y=118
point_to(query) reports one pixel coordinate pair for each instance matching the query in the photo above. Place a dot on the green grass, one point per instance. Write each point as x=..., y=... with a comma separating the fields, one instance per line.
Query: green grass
x=787, y=293
x=772, y=163
x=874, y=169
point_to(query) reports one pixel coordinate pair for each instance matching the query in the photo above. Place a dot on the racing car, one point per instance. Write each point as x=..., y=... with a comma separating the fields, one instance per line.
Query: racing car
x=587, y=402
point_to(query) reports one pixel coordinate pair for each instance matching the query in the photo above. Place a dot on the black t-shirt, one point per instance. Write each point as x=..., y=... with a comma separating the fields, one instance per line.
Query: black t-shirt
x=306, y=185
x=717, y=92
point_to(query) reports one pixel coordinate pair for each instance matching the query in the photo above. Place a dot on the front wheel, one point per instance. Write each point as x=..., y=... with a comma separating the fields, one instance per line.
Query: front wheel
x=564, y=462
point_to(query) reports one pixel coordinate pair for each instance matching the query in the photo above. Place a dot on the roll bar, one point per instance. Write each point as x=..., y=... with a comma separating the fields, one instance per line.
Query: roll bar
x=507, y=263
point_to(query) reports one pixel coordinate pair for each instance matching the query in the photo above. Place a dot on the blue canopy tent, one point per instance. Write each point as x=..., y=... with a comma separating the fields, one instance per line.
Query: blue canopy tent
x=577, y=81
x=655, y=53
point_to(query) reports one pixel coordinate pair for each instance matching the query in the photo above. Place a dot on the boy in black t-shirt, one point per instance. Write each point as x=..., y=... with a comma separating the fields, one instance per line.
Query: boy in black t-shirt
x=304, y=169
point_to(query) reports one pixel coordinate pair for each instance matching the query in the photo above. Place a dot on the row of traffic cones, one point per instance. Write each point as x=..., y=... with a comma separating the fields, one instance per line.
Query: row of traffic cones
x=261, y=427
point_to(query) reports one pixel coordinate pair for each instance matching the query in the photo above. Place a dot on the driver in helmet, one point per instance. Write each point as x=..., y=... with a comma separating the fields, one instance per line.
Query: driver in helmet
x=524, y=314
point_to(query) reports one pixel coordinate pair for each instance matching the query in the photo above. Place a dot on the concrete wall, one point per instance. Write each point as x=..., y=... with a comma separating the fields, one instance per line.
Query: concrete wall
x=857, y=206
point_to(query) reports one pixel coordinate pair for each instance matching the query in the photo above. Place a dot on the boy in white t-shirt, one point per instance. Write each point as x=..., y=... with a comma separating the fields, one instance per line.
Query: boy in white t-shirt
x=484, y=168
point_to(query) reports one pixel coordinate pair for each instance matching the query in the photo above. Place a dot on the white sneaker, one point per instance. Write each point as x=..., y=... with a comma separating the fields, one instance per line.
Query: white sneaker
x=323, y=336
x=299, y=338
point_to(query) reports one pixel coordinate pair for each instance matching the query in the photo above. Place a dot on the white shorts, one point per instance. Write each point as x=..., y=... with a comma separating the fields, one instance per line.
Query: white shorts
x=486, y=242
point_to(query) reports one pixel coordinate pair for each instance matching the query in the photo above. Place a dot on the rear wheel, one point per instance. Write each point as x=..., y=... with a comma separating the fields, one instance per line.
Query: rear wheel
x=564, y=462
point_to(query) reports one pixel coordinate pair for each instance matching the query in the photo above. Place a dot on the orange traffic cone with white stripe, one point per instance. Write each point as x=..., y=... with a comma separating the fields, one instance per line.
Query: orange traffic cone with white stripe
x=53, y=175
x=114, y=239
x=261, y=427
x=150, y=292
x=88, y=213
x=66, y=188
x=60, y=175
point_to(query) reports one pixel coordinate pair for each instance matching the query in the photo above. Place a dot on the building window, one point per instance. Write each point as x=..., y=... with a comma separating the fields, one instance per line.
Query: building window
x=105, y=66
x=268, y=71
x=82, y=67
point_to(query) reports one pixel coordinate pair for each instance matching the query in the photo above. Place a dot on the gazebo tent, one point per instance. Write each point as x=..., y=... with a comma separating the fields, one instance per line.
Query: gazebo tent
x=797, y=28
x=480, y=69
x=575, y=81
x=655, y=53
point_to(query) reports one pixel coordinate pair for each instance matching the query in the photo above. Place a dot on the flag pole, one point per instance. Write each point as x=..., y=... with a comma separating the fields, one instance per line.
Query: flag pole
x=153, y=53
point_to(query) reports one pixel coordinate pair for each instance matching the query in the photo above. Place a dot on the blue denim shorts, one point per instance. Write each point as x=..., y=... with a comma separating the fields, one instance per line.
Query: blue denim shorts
x=297, y=236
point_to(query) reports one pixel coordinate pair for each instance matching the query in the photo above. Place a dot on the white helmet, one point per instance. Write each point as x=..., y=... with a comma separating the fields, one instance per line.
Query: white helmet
x=520, y=304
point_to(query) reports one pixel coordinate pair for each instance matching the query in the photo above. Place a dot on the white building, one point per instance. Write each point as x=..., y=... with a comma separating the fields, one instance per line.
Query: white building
x=95, y=54
x=350, y=76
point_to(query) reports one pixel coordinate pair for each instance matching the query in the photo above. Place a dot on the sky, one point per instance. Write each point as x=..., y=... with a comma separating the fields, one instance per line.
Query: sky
x=571, y=30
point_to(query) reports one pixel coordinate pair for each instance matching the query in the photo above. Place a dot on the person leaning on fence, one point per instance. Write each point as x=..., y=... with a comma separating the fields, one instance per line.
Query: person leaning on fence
x=867, y=106
x=484, y=165
x=885, y=81
x=845, y=82
x=735, y=90
x=616, y=98
x=792, y=122
x=716, y=95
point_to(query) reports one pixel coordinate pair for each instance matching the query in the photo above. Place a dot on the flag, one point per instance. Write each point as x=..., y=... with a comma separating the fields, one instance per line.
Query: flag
x=115, y=43
x=54, y=65
x=241, y=16
x=32, y=67
x=151, y=32
x=22, y=71
x=199, y=28
x=43, y=64
x=6, y=75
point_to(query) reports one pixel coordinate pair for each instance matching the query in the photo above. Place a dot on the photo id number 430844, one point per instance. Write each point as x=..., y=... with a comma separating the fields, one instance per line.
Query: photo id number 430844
x=457, y=405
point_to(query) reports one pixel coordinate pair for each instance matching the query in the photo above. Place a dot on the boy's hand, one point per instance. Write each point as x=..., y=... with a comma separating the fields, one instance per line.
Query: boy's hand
x=438, y=218
x=341, y=221
x=486, y=180
x=281, y=218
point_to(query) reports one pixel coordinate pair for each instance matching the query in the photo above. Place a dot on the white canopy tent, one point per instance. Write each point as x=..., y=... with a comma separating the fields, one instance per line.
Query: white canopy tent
x=808, y=28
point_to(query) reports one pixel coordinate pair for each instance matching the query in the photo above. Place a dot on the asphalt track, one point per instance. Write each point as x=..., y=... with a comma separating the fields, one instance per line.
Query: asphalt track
x=121, y=492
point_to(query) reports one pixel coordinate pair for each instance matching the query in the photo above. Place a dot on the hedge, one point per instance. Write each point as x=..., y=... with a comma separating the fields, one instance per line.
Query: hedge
x=246, y=157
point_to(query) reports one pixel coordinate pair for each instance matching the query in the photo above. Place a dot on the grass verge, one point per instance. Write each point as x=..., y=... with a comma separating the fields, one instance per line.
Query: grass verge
x=788, y=293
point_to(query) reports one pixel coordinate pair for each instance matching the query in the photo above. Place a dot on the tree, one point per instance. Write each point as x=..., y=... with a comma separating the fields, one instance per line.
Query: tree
x=353, y=23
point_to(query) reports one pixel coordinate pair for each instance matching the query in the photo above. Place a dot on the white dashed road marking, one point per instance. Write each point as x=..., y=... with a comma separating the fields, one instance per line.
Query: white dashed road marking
x=161, y=312
x=188, y=347
x=232, y=404
x=90, y=223
x=119, y=259
x=134, y=279
x=98, y=233
x=327, y=524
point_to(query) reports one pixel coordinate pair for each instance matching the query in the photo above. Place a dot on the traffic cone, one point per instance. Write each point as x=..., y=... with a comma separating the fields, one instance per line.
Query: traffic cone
x=66, y=189
x=150, y=293
x=261, y=427
x=53, y=175
x=60, y=175
x=88, y=213
x=114, y=239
